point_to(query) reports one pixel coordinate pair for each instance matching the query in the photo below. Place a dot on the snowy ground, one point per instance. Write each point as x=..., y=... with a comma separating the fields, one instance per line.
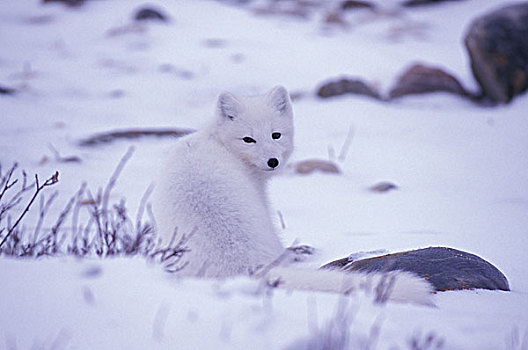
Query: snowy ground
x=461, y=171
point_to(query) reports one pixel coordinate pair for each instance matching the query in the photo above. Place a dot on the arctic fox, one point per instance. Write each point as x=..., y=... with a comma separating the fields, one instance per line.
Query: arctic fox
x=213, y=187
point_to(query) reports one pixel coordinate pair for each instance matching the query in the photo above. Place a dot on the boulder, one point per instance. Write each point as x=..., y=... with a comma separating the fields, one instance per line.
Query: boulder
x=383, y=187
x=346, y=86
x=445, y=268
x=497, y=44
x=131, y=134
x=356, y=4
x=312, y=165
x=413, y=3
x=420, y=79
x=72, y=3
x=4, y=90
x=150, y=14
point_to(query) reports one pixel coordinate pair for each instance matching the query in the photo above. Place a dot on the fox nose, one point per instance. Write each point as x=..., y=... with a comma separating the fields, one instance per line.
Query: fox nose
x=273, y=162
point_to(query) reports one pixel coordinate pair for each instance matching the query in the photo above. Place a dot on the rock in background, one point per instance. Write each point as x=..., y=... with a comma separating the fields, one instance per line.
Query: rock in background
x=150, y=14
x=420, y=79
x=310, y=166
x=413, y=3
x=498, y=48
x=344, y=86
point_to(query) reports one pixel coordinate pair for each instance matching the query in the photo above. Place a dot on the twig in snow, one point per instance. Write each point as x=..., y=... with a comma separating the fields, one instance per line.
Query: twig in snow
x=6, y=185
x=346, y=145
x=49, y=182
x=61, y=159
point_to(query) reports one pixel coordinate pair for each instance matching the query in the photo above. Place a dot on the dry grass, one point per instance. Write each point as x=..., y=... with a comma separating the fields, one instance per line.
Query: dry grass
x=108, y=231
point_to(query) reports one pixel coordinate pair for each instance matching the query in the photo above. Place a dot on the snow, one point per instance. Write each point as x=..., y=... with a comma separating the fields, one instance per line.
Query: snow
x=460, y=169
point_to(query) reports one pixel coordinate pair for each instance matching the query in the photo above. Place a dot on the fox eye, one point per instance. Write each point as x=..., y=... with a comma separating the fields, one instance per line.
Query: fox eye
x=248, y=139
x=276, y=135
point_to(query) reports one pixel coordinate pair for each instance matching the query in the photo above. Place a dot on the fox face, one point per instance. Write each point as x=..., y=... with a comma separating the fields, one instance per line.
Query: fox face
x=257, y=129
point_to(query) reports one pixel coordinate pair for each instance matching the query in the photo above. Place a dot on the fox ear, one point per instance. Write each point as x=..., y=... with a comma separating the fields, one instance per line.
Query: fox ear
x=279, y=99
x=228, y=105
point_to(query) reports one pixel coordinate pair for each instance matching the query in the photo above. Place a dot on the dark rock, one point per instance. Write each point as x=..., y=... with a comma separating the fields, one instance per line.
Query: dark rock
x=497, y=44
x=131, y=134
x=72, y=3
x=412, y=3
x=150, y=14
x=356, y=4
x=346, y=86
x=419, y=79
x=311, y=165
x=383, y=187
x=336, y=18
x=6, y=91
x=444, y=268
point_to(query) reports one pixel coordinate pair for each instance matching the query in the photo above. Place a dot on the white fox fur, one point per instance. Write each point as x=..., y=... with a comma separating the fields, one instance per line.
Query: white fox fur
x=213, y=187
